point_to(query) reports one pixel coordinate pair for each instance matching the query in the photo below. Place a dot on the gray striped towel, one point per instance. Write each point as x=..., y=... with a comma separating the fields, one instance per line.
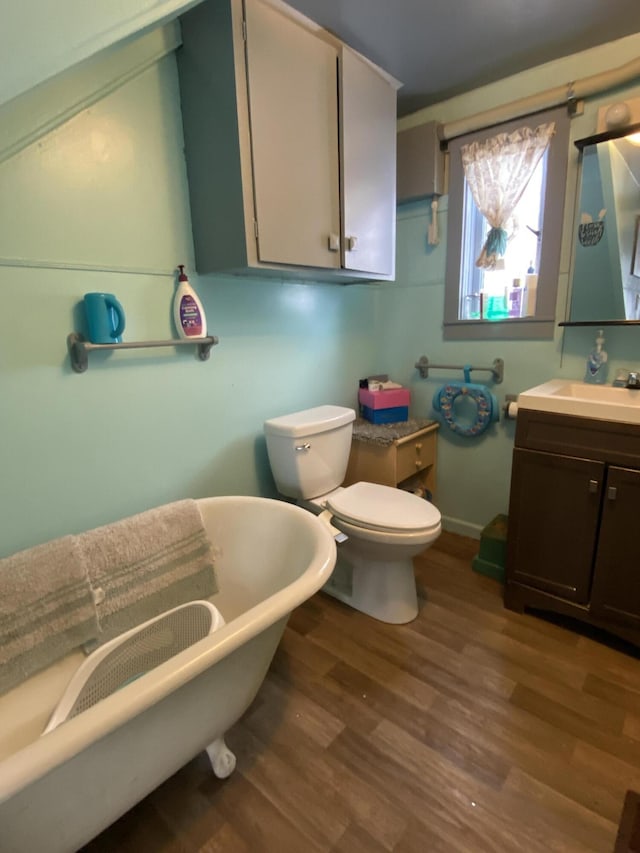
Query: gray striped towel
x=46, y=608
x=146, y=564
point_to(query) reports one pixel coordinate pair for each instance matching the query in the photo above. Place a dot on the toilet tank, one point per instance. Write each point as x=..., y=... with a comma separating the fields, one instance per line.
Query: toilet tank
x=309, y=450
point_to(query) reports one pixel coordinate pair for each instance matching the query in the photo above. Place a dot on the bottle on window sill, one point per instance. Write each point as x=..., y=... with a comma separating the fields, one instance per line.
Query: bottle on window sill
x=530, y=287
x=515, y=298
x=493, y=306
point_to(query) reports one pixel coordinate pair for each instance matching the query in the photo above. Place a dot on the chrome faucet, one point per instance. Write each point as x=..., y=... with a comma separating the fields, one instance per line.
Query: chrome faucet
x=627, y=379
x=633, y=380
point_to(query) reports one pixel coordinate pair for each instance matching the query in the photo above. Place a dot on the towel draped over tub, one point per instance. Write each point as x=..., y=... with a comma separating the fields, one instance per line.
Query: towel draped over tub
x=84, y=590
x=46, y=608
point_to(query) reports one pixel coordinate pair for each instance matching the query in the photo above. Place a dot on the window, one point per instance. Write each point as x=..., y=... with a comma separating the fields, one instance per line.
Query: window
x=477, y=300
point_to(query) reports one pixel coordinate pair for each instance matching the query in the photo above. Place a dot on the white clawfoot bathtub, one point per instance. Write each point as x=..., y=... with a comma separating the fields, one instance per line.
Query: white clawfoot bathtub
x=59, y=790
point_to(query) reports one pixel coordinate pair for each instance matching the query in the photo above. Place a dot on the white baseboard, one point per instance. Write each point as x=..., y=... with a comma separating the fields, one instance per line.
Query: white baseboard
x=464, y=528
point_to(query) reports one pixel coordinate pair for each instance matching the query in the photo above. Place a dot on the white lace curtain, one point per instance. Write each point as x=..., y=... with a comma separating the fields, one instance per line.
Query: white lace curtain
x=498, y=171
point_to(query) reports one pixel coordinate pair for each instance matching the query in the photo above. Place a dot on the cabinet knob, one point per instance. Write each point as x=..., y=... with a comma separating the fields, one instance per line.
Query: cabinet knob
x=418, y=463
x=334, y=242
x=418, y=448
x=352, y=244
x=593, y=486
x=612, y=493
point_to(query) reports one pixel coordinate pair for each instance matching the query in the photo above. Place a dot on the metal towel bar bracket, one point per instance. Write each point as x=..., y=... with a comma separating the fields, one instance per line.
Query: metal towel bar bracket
x=79, y=349
x=423, y=366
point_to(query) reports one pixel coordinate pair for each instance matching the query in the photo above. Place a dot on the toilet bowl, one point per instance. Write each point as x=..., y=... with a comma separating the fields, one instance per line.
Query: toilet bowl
x=379, y=528
x=385, y=529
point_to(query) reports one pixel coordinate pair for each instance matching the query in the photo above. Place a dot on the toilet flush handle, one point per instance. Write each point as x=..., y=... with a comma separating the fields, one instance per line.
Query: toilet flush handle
x=302, y=447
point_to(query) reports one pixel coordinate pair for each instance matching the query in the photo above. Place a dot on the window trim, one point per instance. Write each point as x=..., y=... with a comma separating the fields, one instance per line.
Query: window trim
x=542, y=326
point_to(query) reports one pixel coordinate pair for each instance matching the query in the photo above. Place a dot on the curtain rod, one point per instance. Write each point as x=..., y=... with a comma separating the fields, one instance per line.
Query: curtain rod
x=568, y=94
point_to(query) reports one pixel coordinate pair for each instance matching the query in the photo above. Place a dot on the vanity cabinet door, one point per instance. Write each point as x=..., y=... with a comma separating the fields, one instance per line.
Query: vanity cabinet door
x=553, y=522
x=616, y=579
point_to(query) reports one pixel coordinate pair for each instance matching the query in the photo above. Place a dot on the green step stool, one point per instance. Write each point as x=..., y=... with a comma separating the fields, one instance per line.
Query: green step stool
x=492, y=557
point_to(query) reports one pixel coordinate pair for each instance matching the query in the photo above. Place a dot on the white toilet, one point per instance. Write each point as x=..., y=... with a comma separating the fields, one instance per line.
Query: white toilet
x=384, y=527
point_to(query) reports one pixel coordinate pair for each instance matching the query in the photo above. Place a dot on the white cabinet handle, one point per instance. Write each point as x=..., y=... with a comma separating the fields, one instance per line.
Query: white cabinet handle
x=352, y=244
x=334, y=242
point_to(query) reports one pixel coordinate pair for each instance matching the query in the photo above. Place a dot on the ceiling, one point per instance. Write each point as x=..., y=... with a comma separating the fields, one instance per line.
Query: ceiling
x=439, y=48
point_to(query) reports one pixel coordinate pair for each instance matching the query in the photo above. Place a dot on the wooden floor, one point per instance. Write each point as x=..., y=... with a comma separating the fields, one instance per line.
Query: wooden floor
x=471, y=729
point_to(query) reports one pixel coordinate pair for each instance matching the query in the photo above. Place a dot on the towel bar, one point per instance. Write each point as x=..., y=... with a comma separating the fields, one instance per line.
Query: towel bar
x=79, y=349
x=423, y=366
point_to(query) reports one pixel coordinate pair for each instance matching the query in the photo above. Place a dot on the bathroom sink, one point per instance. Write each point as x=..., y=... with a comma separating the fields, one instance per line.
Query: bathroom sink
x=568, y=397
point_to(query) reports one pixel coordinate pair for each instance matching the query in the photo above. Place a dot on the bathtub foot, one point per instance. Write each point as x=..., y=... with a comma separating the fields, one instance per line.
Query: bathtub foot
x=223, y=761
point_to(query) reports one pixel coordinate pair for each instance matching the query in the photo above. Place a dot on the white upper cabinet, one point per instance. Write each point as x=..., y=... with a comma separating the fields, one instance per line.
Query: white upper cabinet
x=368, y=149
x=290, y=146
x=293, y=109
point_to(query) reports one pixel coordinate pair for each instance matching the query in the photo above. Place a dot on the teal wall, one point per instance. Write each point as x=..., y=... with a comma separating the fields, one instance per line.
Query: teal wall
x=100, y=203
x=474, y=474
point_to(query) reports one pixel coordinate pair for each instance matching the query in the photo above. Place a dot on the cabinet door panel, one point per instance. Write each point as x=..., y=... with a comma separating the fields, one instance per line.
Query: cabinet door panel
x=553, y=522
x=368, y=142
x=293, y=103
x=616, y=579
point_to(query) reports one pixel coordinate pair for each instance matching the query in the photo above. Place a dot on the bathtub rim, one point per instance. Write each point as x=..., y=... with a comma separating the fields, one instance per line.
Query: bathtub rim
x=43, y=755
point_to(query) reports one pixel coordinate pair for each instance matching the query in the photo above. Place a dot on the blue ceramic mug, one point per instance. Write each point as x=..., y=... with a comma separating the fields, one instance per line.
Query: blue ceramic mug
x=105, y=318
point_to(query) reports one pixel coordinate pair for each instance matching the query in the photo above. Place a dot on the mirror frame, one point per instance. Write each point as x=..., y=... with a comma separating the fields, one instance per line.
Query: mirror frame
x=605, y=136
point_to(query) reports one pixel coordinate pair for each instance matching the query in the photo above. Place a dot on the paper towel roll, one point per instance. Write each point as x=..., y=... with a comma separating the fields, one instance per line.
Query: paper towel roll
x=511, y=411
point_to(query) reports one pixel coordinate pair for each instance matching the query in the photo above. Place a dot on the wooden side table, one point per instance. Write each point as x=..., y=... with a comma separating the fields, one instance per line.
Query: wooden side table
x=401, y=455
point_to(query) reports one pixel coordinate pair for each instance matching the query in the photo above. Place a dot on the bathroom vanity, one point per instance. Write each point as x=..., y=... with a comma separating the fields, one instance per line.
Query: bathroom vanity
x=574, y=509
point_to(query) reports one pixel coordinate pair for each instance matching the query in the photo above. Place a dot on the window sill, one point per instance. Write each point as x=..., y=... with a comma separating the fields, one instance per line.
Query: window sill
x=530, y=328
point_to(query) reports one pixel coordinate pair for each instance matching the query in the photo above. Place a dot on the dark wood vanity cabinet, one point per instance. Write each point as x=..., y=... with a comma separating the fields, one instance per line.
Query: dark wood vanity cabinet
x=553, y=522
x=574, y=520
x=615, y=594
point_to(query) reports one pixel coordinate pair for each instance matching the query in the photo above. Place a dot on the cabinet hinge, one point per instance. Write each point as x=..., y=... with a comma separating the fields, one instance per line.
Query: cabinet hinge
x=255, y=228
x=244, y=30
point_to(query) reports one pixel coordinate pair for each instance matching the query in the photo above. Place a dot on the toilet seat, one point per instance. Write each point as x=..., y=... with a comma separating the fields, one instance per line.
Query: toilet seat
x=383, y=508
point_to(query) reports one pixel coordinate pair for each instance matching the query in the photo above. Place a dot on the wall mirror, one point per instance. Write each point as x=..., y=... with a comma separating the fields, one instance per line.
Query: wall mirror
x=606, y=269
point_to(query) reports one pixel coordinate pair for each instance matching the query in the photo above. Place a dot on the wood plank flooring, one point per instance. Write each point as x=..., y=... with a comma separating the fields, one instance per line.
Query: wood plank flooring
x=471, y=729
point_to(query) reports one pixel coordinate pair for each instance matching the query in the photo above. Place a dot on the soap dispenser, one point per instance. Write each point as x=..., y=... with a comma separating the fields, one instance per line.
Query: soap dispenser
x=597, y=362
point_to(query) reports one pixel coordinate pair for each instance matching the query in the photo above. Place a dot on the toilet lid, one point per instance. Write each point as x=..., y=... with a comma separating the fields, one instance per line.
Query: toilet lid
x=383, y=508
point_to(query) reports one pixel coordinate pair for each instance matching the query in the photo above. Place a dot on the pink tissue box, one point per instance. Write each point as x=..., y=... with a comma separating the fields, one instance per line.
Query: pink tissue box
x=387, y=399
